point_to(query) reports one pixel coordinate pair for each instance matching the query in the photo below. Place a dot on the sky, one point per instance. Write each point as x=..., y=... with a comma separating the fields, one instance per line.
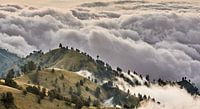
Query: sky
x=62, y=3
x=159, y=38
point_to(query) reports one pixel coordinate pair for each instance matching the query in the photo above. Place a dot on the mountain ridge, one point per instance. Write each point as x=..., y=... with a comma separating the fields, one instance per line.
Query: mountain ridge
x=67, y=73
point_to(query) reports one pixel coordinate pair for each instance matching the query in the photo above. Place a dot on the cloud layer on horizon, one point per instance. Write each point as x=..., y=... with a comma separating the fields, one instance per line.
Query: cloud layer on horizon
x=164, y=44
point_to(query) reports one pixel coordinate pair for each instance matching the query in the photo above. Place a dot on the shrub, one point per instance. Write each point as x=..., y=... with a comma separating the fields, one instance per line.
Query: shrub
x=8, y=100
x=11, y=83
x=24, y=92
x=96, y=103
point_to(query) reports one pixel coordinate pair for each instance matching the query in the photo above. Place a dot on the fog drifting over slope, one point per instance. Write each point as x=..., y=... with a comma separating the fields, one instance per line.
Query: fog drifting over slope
x=159, y=39
x=169, y=97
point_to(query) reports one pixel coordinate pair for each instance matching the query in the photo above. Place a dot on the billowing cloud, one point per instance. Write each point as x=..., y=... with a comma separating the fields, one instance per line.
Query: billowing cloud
x=169, y=98
x=164, y=44
x=165, y=97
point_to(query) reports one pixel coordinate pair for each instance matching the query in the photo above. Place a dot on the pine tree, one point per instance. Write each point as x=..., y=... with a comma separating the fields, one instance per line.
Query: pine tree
x=52, y=70
x=60, y=45
x=70, y=90
x=88, y=101
x=147, y=78
x=96, y=103
x=97, y=92
x=11, y=74
x=62, y=77
x=81, y=82
x=8, y=98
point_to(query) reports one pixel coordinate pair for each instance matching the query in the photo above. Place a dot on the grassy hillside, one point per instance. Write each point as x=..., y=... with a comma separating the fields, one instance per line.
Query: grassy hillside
x=52, y=76
x=67, y=83
x=63, y=58
x=71, y=60
x=30, y=101
x=59, y=80
x=52, y=81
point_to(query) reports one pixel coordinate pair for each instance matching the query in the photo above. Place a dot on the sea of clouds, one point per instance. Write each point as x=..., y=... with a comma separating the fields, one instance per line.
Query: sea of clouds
x=159, y=39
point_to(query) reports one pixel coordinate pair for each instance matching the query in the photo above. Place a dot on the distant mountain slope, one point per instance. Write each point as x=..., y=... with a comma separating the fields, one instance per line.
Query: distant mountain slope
x=7, y=59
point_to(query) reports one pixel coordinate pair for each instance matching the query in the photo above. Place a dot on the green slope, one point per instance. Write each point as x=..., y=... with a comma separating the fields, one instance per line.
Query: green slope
x=71, y=60
x=29, y=101
x=63, y=82
x=50, y=80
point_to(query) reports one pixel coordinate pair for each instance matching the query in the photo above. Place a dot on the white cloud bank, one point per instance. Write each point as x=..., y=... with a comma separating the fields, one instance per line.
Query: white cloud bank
x=169, y=97
x=156, y=41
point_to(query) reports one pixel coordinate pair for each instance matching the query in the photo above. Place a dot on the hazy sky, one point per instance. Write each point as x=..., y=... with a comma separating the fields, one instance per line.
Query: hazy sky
x=73, y=3
x=51, y=3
